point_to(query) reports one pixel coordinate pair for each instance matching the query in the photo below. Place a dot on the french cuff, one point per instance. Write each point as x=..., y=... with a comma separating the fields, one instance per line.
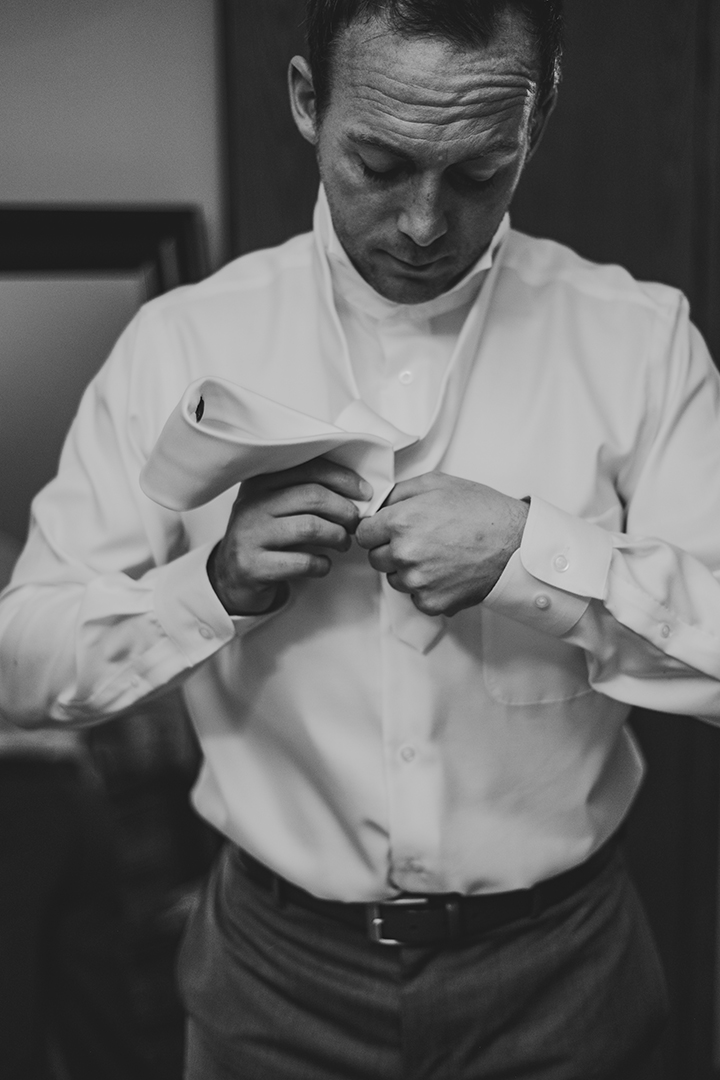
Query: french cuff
x=562, y=564
x=189, y=610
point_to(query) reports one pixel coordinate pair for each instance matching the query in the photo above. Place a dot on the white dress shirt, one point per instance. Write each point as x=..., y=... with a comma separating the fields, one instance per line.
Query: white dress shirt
x=355, y=758
x=399, y=352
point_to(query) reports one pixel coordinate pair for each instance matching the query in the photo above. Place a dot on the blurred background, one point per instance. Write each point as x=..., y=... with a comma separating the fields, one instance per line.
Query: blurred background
x=174, y=113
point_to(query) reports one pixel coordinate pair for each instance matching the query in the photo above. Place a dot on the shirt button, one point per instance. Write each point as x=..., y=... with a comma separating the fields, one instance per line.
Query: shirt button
x=665, y=631
x=407, y=753
x=542, y=601
x=560, y=563
x=206, y=632
x=406, y=377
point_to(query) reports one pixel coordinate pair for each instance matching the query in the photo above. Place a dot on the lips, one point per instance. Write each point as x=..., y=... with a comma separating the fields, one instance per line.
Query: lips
x=416, y=264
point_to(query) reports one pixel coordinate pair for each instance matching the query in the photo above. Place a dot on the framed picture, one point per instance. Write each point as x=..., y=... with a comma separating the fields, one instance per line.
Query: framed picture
x=71, y=278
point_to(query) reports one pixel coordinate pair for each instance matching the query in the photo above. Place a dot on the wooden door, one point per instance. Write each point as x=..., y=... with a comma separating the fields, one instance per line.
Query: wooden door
x=629, y=173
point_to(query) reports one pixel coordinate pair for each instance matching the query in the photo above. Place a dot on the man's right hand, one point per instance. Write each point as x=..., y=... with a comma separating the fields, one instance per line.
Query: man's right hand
x=278, y=522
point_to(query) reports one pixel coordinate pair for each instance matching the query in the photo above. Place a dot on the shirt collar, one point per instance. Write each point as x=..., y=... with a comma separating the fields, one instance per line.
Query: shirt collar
x=353, y=288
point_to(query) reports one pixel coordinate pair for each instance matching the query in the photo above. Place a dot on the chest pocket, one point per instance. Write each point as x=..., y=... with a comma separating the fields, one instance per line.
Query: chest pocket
x=524, y=667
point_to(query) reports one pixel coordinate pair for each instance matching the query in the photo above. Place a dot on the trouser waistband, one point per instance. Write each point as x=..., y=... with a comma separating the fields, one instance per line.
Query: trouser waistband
x=435, y=918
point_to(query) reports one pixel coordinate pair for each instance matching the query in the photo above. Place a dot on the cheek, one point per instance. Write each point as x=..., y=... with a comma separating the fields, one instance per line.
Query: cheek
x=359, y=211
x=478, y=221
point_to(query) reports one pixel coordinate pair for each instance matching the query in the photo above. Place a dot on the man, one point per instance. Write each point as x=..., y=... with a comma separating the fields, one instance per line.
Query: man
x=413, y=721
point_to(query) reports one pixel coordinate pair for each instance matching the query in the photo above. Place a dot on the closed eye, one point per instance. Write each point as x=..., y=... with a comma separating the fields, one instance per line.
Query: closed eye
x=466, y=180
x=381, y=176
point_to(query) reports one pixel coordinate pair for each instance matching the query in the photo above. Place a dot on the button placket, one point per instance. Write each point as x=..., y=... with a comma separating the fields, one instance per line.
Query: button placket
x=412, y=769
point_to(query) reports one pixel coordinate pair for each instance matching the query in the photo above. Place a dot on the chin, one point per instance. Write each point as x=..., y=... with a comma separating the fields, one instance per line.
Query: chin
x=402, y=291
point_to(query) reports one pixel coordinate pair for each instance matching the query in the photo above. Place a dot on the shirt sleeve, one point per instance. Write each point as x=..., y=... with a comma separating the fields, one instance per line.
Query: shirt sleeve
x=106, y=604
x=644, y=604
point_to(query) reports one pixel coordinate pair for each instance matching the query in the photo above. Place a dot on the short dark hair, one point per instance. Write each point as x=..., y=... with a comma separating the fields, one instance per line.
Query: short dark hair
x=461, y=22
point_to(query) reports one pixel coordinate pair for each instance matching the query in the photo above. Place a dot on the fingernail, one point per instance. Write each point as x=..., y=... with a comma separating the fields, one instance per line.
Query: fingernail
x=365, y=490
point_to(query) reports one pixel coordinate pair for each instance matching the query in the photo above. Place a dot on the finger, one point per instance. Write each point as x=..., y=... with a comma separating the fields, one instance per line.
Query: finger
x=375, y=531
x=319, y=470
x=381, y=560
x=305, y=530
x=277, y=566
x=408, y=489
x=312, y=499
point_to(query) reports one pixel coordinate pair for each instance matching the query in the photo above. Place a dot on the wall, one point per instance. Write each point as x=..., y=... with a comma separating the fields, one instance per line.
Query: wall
x=111, y=102
x=99, y=103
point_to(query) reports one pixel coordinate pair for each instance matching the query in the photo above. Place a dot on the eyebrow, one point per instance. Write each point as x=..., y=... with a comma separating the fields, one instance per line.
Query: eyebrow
x=377, y=144
x=501, y=146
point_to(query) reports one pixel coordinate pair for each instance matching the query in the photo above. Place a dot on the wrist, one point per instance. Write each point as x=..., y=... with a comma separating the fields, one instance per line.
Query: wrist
x=244, y=599
x=517, y=516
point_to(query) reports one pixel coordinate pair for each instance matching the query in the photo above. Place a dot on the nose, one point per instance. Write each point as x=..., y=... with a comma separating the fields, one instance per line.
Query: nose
x=422, y=217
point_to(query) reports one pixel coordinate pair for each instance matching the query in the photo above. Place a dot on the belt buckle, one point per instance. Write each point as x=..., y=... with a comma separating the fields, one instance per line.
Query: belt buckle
x=375, y=920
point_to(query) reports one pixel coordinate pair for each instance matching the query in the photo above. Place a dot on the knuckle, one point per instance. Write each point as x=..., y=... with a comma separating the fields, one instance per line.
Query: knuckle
x=401, y=526
x=403, y=553
x=352, y=514
x=314, y=496
x=306, y=527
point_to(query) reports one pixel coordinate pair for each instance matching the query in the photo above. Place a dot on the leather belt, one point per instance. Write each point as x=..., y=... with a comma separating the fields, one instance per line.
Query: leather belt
x=435, y=918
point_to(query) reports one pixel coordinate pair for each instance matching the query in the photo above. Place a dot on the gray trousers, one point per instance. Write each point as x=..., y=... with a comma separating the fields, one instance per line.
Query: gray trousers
x=281, y=993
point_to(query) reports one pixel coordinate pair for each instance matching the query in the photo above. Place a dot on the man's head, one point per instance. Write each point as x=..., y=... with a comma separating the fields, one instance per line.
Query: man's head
x=423, y=113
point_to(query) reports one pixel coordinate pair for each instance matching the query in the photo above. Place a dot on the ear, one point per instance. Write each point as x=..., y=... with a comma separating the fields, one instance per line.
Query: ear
x=543, y=112
x=302, y=98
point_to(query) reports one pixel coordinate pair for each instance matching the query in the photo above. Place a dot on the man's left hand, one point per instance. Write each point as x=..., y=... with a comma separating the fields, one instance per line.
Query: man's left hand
x=443, y=540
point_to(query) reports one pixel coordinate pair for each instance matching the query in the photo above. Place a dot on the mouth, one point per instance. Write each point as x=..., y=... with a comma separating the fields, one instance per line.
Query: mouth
x=417, y=266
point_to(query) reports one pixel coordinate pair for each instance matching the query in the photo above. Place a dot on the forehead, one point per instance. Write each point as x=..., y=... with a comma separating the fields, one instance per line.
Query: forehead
x=420, y=90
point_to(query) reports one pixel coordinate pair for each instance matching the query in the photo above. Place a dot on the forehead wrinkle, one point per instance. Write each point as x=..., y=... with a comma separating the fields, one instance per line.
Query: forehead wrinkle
x=437, y=103
x=497, y=107
x=419, y=87
x=473, y=99
x=442, y=119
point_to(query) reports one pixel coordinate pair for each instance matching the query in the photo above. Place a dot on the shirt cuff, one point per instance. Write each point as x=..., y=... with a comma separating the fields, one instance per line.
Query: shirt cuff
x=562, y=563
x=189, y=610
